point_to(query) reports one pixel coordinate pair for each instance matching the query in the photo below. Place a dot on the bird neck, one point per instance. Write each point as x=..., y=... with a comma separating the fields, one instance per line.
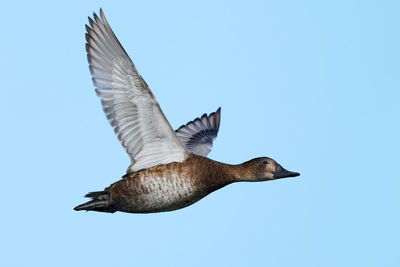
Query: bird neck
x=239, y=172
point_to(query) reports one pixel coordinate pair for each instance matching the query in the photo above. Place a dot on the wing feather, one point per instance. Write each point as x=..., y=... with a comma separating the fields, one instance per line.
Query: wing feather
x=198, y=135
x=128, y=102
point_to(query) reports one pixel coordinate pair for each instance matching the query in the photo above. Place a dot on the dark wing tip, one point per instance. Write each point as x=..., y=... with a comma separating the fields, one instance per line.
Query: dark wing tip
x=216, y=113
x=199, y=134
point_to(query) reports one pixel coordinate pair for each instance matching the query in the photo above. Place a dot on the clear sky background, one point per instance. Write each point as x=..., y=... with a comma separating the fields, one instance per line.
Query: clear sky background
x=312, y=84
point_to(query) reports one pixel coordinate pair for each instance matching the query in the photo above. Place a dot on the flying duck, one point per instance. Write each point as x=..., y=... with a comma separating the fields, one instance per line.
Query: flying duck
x=169, y=169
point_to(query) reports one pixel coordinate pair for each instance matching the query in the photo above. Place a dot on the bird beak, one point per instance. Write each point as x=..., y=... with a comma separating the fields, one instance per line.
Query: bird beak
x=280, y=172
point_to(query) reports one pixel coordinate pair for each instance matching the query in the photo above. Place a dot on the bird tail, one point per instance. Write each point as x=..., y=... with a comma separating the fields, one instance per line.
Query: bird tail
x=99, y=202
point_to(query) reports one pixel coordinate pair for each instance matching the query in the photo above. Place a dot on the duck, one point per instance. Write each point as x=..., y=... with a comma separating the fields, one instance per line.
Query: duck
x=169, y=169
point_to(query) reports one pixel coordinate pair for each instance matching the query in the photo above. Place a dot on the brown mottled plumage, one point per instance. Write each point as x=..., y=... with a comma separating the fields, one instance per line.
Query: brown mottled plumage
x=179, y=184
x=168, y=170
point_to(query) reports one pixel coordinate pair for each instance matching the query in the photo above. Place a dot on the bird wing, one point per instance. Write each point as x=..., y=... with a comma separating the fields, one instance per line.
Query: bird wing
x=128, y=102
x=198, y=135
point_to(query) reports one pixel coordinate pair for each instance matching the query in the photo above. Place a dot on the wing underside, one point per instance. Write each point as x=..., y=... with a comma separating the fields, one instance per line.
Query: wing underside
x=128, y=102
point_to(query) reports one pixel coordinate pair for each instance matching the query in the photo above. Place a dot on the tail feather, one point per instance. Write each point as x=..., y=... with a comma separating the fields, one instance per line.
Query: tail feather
x=97, y=195
x=99, y=202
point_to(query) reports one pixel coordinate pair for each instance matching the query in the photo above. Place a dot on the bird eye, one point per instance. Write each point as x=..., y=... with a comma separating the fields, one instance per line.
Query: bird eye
x=265, y=162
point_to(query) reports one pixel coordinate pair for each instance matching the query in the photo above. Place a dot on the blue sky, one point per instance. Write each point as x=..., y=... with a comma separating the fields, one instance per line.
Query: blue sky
x=312, y=84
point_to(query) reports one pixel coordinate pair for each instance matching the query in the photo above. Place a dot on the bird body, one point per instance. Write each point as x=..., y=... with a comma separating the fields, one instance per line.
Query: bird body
x=178, y=184
x=169, y=169
x=166, y=187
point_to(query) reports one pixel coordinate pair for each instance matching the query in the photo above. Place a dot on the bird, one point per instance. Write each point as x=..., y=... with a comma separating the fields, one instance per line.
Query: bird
x=169, y=169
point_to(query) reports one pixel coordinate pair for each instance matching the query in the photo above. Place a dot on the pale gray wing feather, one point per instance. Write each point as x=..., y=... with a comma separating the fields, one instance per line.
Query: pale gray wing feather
x=130, y=106
x=198, y=135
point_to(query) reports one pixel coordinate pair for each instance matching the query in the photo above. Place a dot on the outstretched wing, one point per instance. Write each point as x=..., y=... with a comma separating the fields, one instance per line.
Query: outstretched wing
x=198, y=135
x=130, y=106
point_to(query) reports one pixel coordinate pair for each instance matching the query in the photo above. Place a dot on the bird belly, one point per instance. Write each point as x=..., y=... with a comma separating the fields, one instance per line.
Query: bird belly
x=160, y=193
